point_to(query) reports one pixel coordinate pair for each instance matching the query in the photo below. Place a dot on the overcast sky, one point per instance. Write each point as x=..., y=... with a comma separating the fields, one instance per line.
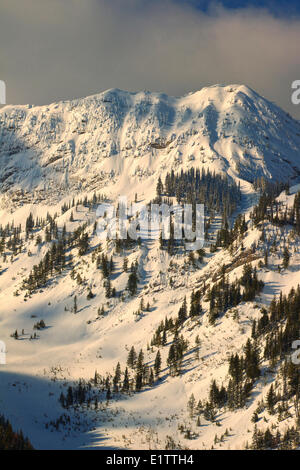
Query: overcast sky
x=61, y=49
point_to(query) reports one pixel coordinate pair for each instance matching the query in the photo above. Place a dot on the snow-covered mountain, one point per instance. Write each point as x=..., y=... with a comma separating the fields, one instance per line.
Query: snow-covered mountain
x=81, y=319
x=121, y=139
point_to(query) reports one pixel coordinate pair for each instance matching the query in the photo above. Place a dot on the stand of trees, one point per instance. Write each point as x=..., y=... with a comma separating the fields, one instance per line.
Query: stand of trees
x=265, y=440
x=202, y=187
x=224, y=295
x=11, y=440
x=55, y=259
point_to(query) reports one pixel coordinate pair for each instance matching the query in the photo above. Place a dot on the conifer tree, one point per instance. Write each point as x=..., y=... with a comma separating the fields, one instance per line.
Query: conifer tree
x=125, y=387
x=271, y=400
x=132, y=283
x=286, y=258
x=117, y=377
x=131, y=360
x=157, y=364
x=75, y=304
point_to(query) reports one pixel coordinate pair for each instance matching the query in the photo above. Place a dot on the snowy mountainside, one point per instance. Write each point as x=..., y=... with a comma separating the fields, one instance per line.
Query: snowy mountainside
x=118, y=139
x=74, y=345
x=69, y=312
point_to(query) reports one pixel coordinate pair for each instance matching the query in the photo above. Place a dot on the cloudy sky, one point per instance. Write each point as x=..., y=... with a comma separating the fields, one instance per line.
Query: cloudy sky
x=60, y=49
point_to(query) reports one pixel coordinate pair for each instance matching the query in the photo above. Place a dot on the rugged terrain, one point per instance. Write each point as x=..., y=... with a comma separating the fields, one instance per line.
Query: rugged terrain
x=63, y=160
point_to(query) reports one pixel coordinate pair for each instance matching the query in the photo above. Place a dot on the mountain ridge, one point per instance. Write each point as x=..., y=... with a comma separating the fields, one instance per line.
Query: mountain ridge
x=119, y=139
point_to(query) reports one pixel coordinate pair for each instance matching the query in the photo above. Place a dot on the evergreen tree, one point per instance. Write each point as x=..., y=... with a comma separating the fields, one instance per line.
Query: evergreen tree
x=131, y=360
x=125, y=265
x=117, y=377
x=159, y=187
x=132, y=283
x=182, y=313
x=157, y=364
x=75, y=304
x=125, y=387
x=286, y=258
x=271, y=400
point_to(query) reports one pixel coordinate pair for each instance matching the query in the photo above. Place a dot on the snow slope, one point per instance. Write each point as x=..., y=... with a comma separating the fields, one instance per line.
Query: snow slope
x=119, y=143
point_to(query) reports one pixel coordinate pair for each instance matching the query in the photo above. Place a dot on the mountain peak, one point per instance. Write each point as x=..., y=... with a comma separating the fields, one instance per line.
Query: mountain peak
x=119, y=139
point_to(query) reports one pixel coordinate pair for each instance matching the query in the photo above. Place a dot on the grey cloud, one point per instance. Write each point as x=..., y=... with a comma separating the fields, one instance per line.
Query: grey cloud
x=60, y=49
